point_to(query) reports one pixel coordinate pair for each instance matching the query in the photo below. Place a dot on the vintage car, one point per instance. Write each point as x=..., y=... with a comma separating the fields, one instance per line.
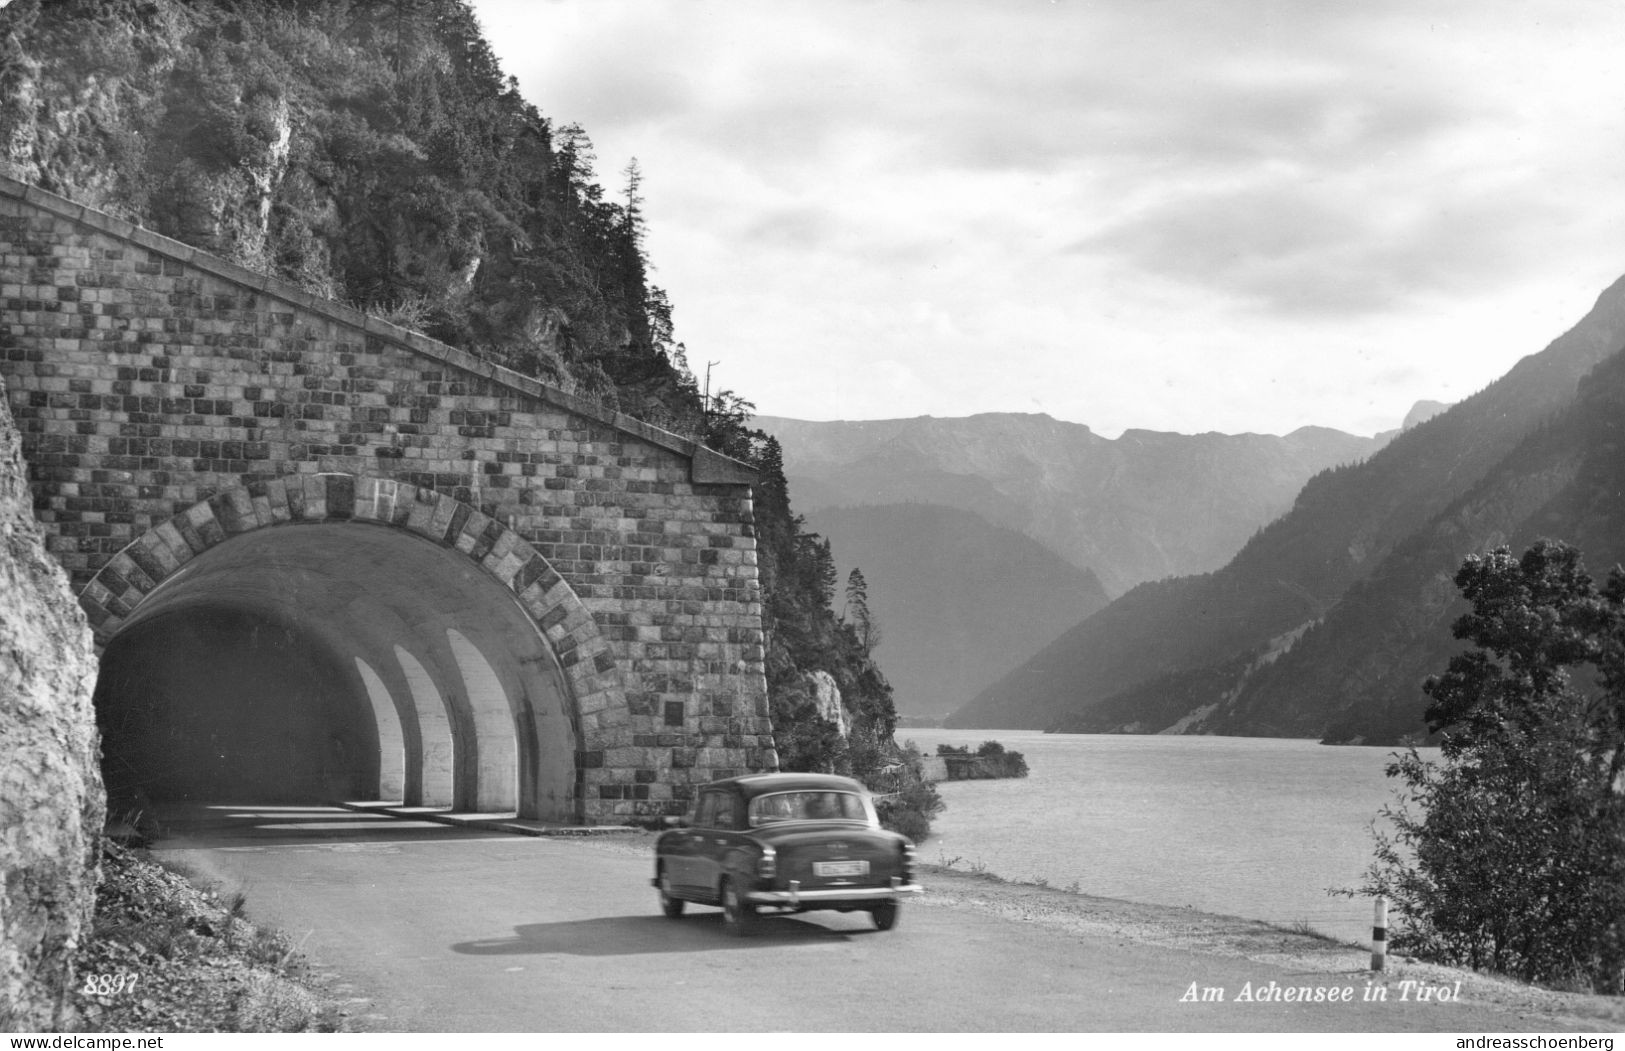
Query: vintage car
x=786, y=843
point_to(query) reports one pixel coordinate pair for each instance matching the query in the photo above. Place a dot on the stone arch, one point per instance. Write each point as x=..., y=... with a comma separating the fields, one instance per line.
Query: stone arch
x=592, y=682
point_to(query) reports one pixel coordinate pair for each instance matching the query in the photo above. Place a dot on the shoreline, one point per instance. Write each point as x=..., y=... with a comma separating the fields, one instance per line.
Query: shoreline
x=1188, y=930
x=1201, y=933
x=1097, y=928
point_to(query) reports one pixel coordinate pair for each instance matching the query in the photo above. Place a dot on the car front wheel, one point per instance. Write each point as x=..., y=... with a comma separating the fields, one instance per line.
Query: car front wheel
x=885, y=915
x=671, y=906
x=737, y=916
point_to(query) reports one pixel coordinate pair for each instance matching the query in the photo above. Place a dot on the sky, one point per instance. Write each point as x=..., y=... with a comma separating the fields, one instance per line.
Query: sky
x=1223, y=216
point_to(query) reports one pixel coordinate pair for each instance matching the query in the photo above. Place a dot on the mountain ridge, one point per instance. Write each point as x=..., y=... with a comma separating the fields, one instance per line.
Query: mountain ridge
x=1342, y=525
x=1143, y=506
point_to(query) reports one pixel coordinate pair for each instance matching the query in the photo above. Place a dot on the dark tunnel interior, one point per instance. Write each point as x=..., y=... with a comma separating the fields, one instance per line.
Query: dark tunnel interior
x=218, y=704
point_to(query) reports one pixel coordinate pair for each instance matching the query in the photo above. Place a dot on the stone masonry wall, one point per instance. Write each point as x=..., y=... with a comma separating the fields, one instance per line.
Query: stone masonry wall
x=148, y=377
x=50, y=787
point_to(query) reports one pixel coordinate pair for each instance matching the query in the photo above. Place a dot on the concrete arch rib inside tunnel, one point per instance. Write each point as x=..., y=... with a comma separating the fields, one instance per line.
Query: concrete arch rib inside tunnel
x=306, y=663
x=437, y=782
x=391, y=740
x=492, y=712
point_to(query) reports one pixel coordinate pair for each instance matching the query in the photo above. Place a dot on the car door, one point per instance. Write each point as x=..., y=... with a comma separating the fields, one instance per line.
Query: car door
x=719, y=813
x=684, y=846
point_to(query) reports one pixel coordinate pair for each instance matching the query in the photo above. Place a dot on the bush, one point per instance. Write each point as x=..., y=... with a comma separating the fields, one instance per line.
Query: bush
x=991, y=761
x=910, y=811
x=907, y=801
x=1509, y=853
x=1002, y=763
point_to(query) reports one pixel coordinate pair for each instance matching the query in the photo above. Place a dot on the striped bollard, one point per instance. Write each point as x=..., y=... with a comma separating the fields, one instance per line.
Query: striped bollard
x=1379, y=934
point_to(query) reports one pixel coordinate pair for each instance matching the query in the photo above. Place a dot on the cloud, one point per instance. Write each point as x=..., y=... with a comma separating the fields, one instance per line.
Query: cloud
x=802, y=229
x=1090, y=203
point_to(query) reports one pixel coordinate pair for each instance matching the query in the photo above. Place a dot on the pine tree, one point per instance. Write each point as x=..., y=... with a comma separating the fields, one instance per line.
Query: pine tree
x=858, y=617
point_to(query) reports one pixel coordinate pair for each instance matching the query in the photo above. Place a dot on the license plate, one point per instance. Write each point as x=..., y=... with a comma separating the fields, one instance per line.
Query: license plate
x=840, y=868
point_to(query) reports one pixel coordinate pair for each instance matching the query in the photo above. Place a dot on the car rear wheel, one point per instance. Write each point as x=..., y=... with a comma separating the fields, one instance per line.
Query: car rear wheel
x=671, y=906
x=885, y=915
x=737, y=916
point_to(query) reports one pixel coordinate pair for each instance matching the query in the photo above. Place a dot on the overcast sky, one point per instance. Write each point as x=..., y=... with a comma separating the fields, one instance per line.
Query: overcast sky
x=1231, y=216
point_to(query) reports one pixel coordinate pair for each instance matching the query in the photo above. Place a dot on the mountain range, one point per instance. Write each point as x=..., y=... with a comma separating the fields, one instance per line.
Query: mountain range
x=1143, y=506
x=1326, y=621
x=984, y=537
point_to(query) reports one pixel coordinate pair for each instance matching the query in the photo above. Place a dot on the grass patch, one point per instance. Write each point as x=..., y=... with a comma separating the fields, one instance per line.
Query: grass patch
x=164, y=955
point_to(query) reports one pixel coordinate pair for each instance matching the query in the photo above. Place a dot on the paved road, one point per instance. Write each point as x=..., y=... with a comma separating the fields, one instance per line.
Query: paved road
x=445, y=929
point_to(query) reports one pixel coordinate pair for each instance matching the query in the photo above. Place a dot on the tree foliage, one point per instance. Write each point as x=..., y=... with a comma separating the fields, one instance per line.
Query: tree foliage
x=373, y=151
x=1509, y=853
x=859, y=619
x=798, y=577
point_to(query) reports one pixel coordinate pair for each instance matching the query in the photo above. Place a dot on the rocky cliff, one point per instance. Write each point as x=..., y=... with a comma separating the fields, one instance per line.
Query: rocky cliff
x=51, y=803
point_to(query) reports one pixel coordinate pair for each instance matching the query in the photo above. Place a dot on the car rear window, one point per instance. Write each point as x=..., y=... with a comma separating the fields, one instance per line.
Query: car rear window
x=808, y=806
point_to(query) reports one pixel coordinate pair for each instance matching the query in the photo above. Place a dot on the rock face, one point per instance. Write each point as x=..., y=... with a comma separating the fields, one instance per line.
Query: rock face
x=828, y=697
x=51, y=803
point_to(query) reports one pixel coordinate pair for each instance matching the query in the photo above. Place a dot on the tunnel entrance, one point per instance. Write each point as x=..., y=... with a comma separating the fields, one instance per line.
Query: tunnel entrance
x=303, y=663
x=227, y=705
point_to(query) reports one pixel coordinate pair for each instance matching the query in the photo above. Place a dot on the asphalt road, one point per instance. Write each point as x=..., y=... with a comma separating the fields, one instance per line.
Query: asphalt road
x=444, y=930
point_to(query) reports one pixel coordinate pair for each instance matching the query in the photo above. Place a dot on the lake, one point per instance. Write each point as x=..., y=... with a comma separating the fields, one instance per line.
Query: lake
x=1243, y=826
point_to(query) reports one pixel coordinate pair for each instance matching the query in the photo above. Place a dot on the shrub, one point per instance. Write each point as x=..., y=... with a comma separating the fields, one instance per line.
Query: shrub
x=910, y=811
x=1509, y=853
x=907, y=801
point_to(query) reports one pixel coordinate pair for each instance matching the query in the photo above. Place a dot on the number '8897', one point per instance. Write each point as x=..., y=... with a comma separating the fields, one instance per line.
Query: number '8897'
x=109, y=984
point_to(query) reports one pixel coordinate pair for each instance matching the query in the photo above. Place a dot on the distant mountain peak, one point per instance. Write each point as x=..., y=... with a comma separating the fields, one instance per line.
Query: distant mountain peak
x=1423, y=411
x=1143, y=506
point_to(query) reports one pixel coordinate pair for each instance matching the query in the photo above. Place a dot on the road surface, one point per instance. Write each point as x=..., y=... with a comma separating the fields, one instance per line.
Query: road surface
x=438, y=929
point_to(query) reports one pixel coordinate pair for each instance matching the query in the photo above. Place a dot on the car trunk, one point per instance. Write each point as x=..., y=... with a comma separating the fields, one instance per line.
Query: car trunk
x=829, y=854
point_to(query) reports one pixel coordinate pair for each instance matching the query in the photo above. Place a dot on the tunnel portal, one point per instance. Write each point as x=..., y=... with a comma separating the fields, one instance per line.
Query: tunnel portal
x=334, y=661
x=171, y=402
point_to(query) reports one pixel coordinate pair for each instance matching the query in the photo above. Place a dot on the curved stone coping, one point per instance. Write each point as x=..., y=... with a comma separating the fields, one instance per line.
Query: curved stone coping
x=119, y=587
x=707, y=466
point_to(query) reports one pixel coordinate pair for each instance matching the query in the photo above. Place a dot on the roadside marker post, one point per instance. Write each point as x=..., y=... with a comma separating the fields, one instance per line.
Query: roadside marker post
x=1379, y=934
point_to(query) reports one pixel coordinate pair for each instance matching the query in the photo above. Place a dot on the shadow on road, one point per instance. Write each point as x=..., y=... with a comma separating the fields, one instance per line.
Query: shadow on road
x=226, y=825
x=638, y=935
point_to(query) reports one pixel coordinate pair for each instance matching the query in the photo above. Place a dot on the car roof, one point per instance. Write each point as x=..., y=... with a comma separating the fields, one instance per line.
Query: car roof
x=760, y=784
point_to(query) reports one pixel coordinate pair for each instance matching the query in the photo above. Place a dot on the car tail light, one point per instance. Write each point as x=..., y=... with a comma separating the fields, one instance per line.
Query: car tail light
x=908, y=863
x=767, y=866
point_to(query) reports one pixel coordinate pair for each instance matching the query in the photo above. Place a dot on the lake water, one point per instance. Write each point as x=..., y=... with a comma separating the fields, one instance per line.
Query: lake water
x=1242, y=826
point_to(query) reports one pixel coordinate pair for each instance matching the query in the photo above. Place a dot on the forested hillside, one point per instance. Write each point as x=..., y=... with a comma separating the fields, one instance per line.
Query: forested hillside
x=1357, y=676
x=1152, y=657
x=374, y=153
x=957, y=601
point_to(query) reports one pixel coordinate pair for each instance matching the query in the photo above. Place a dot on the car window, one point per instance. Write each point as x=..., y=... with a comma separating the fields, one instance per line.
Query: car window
x=716, y=810
x=809, y=806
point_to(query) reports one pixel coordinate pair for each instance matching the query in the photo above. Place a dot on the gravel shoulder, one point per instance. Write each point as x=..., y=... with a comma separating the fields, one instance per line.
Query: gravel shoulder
x=1187, y=930
x=561, y=956
x=1197, y=932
